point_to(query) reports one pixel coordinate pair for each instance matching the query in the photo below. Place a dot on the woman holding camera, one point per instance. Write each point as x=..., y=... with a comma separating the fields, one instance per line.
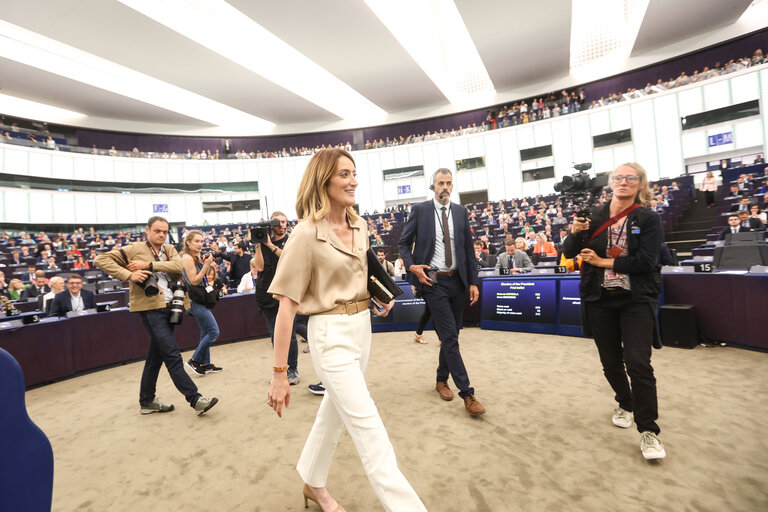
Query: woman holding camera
x=620, y=286
x=196, y=274
x=323, y=273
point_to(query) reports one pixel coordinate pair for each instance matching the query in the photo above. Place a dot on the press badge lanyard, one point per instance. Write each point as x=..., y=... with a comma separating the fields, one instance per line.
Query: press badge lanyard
x=618, y=237
x=154, y=253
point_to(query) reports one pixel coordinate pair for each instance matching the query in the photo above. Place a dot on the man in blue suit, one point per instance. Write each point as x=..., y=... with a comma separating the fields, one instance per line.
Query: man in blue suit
x=74, y=298
x=437, y=235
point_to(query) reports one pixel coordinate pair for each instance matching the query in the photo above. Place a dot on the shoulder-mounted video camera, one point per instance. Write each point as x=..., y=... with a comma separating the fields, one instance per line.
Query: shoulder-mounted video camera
x=260, y=231
x=581, y=189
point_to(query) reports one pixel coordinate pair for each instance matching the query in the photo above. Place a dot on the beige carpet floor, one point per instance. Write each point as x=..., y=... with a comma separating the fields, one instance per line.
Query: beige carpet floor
x=546, y=442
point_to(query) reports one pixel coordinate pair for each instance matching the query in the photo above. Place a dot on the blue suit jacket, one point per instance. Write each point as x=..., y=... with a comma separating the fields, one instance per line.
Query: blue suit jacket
x=62, y=302
x=419, y=233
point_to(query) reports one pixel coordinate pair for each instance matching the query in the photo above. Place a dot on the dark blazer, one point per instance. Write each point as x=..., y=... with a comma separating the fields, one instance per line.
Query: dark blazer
x=486, y=260
x=62, y=302
x=727, y=230
x=30, y=292
x=417, y=243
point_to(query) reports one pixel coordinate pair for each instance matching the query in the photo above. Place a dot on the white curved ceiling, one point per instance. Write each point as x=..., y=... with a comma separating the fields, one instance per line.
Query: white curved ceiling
x=523, y=45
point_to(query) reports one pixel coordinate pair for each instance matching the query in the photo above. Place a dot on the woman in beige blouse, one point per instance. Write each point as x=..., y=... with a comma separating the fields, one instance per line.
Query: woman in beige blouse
x=323, y=273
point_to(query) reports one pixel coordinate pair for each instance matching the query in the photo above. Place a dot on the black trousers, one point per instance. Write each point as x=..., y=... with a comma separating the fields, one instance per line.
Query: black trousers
x=423, y=320
x=709, y=197
x=623, y=333
x=446, y=301
x=163, y=349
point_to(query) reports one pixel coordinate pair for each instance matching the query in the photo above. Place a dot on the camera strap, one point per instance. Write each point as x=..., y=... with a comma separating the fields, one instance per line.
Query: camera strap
x=154, y=253
x=613, y=220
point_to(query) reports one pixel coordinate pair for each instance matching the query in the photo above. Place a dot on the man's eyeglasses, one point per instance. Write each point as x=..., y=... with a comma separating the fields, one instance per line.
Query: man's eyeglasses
x=628, y=179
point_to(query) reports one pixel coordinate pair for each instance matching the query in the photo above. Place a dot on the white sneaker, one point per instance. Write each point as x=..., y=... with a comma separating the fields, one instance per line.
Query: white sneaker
x=622, y=418
x=651, y=446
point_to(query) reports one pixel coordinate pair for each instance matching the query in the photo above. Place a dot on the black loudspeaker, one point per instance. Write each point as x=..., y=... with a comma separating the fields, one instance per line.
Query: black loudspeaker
x=679, y=325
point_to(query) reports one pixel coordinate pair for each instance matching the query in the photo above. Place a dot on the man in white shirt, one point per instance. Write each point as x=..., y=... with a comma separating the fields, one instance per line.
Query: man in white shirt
x=74, y=298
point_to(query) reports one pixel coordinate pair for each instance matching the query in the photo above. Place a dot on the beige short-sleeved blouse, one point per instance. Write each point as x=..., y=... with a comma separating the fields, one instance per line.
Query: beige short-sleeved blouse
x=318, y=271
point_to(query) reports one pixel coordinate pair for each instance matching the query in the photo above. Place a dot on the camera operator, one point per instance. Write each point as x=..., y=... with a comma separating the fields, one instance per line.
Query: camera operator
x=620, y=286
x=145, y=259
x=265, y=260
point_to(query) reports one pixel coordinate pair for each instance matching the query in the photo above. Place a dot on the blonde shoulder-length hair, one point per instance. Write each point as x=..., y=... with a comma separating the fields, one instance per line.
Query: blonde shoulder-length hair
x=188, y=236
x=645, y=194
x=312, y=201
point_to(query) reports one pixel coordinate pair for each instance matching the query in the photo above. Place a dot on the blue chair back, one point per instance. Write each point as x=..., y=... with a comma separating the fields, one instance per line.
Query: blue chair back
x=26, y=463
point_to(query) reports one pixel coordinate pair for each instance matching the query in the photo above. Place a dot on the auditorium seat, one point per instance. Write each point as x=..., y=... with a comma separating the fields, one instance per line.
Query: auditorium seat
x=26, y=465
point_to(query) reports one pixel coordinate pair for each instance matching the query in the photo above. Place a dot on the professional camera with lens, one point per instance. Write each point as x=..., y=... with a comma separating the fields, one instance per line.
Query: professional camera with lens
x=178, y=288
x=580, y=189
x=260, y=232
x=149, y=285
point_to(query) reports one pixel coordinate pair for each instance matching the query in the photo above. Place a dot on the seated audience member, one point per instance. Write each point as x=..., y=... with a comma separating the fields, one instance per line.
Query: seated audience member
x=38, y=287
x=225, y=270
x=665, y=193
x=513, y=259
x=81, y=263
x=759, y=159
x=248, y=281
x=44, y=302
x=15, y=288
x=754, y=212
x=43, y=257
x=751, y=223
x=735, y=192
x=25, y=254
x=661, y=201
x=29, y=276
x=522, y=245
x=388, y=266
x=3, y=286
x=15, y=259
x=74, y=298
x=218, y=285
x=483, y=258
x=51, y=264
x=734, y=226
x=544, y=246
x=560, y=237
x=656, y=206
x=743, y=204
x=400, y=265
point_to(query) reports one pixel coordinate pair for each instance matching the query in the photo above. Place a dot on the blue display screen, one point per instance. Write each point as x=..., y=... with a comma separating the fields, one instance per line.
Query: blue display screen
x=570, y=302
x=520, y=300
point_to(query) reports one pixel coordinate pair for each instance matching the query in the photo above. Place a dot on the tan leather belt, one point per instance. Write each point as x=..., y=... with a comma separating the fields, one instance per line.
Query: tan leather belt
x=444, y=274
x=348, y=308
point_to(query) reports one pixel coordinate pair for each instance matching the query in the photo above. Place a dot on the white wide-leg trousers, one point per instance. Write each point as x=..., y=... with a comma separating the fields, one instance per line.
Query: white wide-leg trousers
x=340, y=346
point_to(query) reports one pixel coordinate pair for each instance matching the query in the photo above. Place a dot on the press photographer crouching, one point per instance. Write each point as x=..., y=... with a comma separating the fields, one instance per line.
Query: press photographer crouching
x=154, y=269
x=269, y=242
x=620, y=286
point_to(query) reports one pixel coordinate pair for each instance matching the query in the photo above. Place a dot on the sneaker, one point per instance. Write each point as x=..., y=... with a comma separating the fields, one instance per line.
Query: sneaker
x=211, y=368
x=651, y=446
x=155, y=406
x=203, y=404
x=317, y=389
x=622, y=418
x=293, y=377
x=197, y=368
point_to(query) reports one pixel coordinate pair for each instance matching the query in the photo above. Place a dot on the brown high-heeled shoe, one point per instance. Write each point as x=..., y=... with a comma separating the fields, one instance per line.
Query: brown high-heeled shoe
x=309, y=495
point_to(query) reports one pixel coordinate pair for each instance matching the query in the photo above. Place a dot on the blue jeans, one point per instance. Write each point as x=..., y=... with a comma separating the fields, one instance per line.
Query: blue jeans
x=163, y=349
x=270, y=316
x=209, y=332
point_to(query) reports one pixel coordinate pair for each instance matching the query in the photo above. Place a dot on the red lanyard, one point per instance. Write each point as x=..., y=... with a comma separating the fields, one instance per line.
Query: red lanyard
x=613, y=220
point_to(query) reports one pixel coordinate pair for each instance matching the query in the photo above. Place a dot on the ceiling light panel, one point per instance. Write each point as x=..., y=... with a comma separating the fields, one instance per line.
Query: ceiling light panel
x=221, y=28
x=32, y=49
x=19, y=107
x=434, y=34
x=603, y=34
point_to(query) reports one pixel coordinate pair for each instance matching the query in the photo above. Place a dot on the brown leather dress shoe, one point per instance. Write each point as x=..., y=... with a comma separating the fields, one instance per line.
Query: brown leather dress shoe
x=445, y=392
x=473, y=406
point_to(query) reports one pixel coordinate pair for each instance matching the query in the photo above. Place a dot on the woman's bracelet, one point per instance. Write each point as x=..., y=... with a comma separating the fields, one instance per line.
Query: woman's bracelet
x=279, y=369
